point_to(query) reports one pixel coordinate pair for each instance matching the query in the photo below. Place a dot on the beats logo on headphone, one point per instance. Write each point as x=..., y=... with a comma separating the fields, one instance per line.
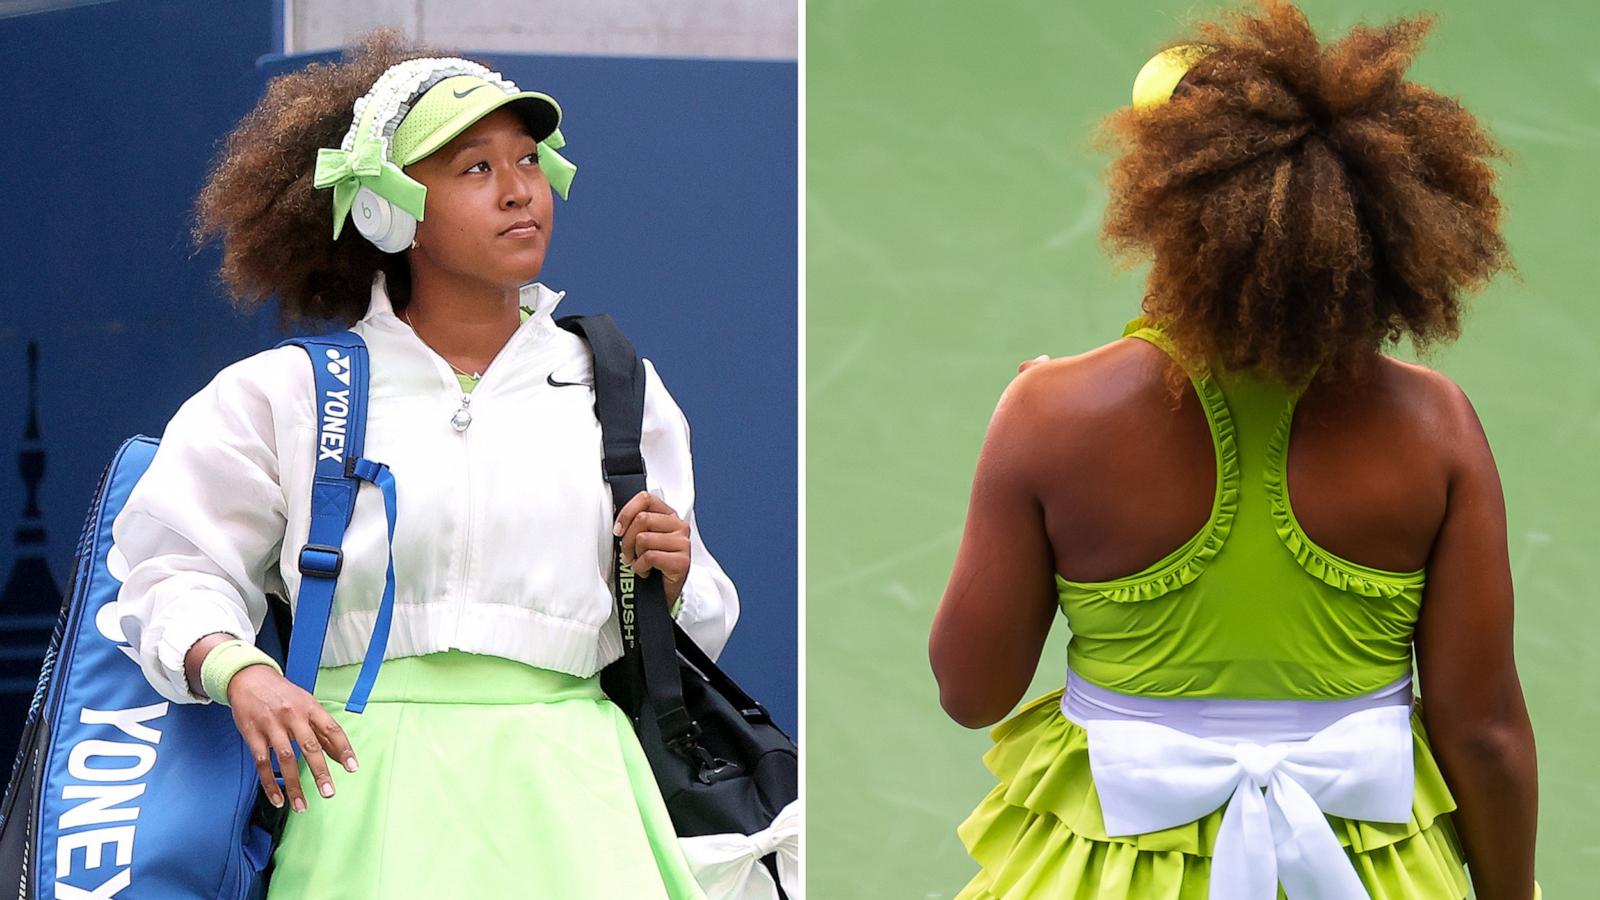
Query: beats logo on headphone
x=380, y=222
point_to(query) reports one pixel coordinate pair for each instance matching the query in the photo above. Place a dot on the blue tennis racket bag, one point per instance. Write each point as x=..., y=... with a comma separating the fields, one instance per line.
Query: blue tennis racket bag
x=117, y=792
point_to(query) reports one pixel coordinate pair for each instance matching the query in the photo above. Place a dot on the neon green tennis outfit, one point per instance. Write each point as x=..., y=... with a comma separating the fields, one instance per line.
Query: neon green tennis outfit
x=1248, y=608
x=481, y=777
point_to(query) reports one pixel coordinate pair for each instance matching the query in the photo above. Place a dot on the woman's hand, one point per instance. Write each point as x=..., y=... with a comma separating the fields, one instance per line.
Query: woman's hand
x=654, y=538
x=270, y=711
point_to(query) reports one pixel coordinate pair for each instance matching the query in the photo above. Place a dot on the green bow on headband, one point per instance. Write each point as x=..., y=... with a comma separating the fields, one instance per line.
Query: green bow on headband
x=347, y=171
x=557, y=170
x=364, y=165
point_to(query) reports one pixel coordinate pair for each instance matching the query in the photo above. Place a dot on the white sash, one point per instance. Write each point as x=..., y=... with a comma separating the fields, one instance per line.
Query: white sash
x=1159, y=762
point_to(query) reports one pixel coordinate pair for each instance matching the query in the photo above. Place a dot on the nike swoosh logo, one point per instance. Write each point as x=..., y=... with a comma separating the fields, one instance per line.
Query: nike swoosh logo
x=551, y=378
x=460, y=94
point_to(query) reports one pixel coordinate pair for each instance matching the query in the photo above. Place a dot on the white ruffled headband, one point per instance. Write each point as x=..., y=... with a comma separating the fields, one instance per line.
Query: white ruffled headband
x=365, y=157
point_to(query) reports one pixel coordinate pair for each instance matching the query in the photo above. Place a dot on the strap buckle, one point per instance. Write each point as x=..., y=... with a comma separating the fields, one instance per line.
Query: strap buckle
x=709, y=768
x=321, y=560
x=687, y=742
x=625, y=468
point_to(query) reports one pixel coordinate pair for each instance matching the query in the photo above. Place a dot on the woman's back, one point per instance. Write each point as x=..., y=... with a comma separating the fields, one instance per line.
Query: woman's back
x=1196, y=575
x=1367, y=465
x=1203, y=580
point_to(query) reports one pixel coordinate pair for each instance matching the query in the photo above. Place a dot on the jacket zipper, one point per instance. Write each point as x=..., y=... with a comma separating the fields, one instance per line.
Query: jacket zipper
x=466, y=454
x=466, y=549
x=466, y=468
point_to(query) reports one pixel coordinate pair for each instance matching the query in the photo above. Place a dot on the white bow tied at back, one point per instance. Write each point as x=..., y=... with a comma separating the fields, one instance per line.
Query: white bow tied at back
x=1151, y=777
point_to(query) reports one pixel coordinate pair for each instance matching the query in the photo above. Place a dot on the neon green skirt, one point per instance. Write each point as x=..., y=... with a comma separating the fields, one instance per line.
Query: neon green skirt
x=481, y=777
x=1039, y=833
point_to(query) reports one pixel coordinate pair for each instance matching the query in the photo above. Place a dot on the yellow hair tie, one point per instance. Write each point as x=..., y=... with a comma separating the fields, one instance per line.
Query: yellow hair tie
x=1160, y=76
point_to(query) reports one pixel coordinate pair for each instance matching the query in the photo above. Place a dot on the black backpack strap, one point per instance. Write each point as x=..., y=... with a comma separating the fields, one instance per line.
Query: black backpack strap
x=647, y=627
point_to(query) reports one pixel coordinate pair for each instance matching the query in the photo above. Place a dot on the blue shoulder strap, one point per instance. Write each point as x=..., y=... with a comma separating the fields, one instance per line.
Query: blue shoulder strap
x=339, y=361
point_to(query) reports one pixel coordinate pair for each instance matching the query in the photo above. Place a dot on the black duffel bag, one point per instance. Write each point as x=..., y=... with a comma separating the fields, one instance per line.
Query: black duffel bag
x=723, y=766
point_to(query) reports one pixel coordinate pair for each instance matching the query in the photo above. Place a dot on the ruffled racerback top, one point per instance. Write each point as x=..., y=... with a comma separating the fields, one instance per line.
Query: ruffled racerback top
x=1249, y=607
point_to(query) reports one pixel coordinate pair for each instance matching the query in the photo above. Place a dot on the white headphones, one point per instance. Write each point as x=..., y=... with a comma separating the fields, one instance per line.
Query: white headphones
x=390, y=228
x=376, y=115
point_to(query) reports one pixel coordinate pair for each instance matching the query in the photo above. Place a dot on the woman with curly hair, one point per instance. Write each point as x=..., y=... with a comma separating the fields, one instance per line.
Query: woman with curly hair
x=490, y=762
x=1239, y=718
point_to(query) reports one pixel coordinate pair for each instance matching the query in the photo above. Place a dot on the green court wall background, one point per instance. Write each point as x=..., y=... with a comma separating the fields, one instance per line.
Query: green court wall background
x=953, y=207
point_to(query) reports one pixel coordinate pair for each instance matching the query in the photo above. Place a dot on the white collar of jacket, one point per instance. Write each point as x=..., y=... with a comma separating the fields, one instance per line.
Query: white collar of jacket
x=540, y=299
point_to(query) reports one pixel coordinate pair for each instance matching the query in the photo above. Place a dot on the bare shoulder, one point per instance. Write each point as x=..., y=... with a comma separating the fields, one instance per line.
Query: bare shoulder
x=1094, y=383
x=1054, y=410
x=1432, y=403
x=1430, y=393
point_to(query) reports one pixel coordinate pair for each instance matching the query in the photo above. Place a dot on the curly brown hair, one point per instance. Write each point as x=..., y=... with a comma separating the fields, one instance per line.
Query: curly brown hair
x=276, y=228
x=1303, y=203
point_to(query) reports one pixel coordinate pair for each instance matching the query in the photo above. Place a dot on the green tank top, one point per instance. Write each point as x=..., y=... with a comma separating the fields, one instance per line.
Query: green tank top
x=1249, y=607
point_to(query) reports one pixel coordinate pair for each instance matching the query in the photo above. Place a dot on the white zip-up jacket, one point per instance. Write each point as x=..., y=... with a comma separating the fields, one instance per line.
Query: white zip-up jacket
x=502, y=540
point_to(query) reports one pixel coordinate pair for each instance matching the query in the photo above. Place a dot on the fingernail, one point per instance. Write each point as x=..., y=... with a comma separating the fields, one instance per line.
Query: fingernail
x=1043, y=357
x=327, y=790
x=350, y=764
x=299, y=804
x=276, y=801
x=616, y=529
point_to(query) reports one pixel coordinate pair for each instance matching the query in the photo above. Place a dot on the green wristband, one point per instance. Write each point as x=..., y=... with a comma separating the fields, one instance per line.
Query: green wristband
x=225, y=660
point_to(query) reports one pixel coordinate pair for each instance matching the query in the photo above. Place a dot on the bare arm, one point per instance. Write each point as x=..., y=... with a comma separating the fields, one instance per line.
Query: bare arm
x=1472, y=701
x=997, y=609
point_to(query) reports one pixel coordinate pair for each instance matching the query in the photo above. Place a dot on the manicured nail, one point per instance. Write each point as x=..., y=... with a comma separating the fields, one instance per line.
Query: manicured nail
x=350, y=764
x=299, y=804
x=616, y=528
x=327, y=790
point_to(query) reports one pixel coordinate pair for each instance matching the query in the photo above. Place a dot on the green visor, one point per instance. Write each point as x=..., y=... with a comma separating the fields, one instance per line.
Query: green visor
x=442, y=112
x=451, y=106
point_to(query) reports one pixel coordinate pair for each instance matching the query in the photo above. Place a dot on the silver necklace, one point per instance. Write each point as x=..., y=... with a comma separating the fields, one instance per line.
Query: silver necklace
x=463, y=415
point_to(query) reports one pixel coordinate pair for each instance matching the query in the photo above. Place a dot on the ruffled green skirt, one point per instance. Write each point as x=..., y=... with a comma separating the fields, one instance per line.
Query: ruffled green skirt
x=1039, y=833
x=482, y=777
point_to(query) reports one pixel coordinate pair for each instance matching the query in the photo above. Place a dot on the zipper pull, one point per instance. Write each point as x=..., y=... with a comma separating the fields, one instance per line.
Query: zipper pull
x=463, y=416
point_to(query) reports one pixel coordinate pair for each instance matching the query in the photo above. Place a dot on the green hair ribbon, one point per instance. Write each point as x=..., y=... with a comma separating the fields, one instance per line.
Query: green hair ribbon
x=557, y=170
x=364, y=165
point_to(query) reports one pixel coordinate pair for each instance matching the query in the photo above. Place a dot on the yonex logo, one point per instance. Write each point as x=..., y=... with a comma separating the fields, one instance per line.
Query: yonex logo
x=460, y=94
x=339, y=367
x=125, y=749
x=106, y=766
x=335, y=415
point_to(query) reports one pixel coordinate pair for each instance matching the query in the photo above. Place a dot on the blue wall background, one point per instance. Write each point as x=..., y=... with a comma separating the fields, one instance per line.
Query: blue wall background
x=682, y=226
